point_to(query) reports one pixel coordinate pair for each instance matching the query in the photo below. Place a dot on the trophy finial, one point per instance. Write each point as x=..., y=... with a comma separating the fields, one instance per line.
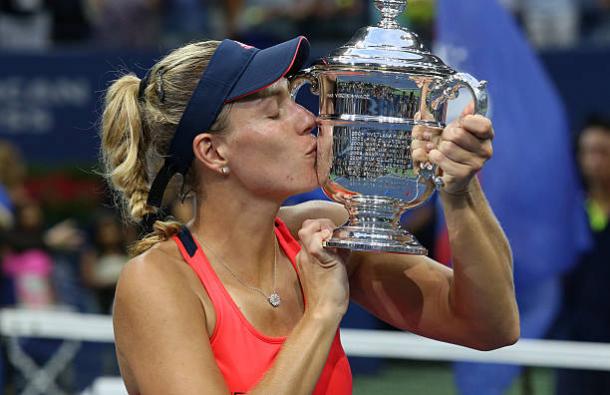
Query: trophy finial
x=390, y=10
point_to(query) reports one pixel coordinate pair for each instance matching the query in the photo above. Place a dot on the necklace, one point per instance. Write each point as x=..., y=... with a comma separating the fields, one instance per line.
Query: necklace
x=274, y=298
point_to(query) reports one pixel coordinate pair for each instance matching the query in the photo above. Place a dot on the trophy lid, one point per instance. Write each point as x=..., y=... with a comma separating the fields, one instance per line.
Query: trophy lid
x=387, y=46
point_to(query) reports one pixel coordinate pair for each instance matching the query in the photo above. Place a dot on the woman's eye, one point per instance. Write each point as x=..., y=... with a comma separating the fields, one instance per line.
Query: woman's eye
x=275, y=116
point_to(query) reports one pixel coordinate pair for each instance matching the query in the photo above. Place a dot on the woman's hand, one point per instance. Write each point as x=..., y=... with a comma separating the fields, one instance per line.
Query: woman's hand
x=322, y=271
x=460, y=151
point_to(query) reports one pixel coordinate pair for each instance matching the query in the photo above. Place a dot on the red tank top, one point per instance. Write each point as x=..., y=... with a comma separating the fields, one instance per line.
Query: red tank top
x=242, y=353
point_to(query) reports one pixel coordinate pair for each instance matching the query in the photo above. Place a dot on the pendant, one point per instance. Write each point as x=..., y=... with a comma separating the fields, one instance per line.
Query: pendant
x=274, y=299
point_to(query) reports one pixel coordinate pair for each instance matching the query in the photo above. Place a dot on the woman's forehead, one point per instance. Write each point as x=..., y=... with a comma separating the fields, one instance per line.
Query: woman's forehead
x=277, y=88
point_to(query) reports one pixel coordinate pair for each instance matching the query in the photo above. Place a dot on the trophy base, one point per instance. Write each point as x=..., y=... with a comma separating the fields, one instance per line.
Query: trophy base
x=372, y=239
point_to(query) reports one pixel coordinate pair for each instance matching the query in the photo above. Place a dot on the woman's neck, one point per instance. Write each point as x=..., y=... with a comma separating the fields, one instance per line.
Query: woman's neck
x=240, y=230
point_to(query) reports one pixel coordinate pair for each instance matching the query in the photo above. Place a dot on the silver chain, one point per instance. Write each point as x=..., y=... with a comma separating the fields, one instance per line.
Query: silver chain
x=273, y=298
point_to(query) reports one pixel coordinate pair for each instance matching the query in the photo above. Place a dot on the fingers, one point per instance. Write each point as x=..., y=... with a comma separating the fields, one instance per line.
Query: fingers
x=425, y=133
x=478, y=125
x=420, y=155
x=424, y=138
x=459, y=155
x=457, y=142
x=450, y=167
x=312, y=235
x=311, y=226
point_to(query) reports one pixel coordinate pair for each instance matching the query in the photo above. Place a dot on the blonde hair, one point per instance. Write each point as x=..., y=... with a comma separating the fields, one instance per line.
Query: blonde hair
x=136, y=133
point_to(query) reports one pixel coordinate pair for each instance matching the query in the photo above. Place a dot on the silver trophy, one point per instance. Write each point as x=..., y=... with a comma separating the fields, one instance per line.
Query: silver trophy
x=382, y=96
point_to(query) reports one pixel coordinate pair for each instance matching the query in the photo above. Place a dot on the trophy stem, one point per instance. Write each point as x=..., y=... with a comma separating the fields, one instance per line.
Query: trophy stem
x=374, y=225
x=390, y=10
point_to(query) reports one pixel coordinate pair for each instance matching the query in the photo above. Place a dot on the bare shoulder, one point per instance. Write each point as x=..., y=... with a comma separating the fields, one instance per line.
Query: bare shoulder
x=160, y=323
x=152, y=284
x=294, y=216
x=160, y=269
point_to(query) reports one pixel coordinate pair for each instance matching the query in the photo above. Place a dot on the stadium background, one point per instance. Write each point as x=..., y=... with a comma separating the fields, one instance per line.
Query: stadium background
x=57, y=57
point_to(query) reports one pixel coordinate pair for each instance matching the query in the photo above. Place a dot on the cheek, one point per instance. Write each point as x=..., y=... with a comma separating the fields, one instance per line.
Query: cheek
x=276, y=173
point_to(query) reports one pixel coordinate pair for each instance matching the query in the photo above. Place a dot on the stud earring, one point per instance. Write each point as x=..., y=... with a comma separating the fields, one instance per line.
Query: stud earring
x=224, y=170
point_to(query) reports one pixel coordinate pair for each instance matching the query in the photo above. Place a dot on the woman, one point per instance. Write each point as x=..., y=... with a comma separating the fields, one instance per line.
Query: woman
x=257, y=307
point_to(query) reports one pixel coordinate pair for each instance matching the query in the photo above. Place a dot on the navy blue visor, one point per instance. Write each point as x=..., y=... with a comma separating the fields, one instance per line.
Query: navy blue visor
x=235, y=71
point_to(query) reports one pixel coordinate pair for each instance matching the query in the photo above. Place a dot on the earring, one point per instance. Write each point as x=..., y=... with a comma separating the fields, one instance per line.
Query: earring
x=224, y=170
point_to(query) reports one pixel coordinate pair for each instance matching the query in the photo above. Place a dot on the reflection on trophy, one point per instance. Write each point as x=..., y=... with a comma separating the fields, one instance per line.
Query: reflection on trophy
x=383, y=104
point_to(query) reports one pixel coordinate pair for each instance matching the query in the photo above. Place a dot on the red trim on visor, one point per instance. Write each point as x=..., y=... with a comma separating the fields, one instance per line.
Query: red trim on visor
x=294, y=57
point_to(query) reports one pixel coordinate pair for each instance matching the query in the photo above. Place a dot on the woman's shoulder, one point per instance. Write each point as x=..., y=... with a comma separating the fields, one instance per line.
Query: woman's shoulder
x=158, y=300
x=159, y=272
x=163, y=259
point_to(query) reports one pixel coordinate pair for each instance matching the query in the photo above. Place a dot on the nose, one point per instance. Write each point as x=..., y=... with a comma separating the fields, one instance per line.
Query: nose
x=306, y=120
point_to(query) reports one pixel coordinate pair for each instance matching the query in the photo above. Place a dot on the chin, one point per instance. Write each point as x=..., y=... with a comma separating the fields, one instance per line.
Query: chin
x=305, y=187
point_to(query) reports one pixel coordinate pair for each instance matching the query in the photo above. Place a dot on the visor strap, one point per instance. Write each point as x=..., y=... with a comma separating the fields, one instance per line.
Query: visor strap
x=157, y=189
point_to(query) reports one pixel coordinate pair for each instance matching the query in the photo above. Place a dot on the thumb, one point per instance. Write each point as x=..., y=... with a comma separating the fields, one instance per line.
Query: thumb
x=468, y=110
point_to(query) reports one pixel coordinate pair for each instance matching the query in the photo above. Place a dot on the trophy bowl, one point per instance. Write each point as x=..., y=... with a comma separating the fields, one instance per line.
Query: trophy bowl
x=382, y=97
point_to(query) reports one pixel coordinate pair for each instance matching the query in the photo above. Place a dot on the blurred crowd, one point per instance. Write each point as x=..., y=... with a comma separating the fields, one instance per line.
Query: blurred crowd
x=564, y=23
x=46, y=24
x=68, y=265
x=73, y=264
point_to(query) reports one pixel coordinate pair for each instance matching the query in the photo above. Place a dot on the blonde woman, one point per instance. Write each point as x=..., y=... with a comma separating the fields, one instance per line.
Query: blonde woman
x=244, y=299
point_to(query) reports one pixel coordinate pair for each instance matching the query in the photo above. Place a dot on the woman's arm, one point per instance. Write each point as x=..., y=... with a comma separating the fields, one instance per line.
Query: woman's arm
x=473, y=304
x=325, y=288
x=163, y=338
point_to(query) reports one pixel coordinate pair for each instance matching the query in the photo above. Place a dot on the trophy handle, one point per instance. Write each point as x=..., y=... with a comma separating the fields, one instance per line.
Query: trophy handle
x=300, y=79
x=451, y=86
x=448, y=89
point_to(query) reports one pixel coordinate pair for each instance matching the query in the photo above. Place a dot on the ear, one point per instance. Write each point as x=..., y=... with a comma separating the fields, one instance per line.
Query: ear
x=210, y=150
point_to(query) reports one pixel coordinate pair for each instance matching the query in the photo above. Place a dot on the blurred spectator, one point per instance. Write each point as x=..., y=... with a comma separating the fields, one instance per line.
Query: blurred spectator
x=71, y=24
x=24, y=24
x=420, y=17
x=596, y=22
x=192, y=20
x=26, y=254
x=263, y=22
x=6, y=223
x=12, y=176
x=6, y=209
x=26, y=259
x=102, y=263
x=25, y=245
x=126, y=23
x=552, y=23
x=12, y=173
x=586, y=313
